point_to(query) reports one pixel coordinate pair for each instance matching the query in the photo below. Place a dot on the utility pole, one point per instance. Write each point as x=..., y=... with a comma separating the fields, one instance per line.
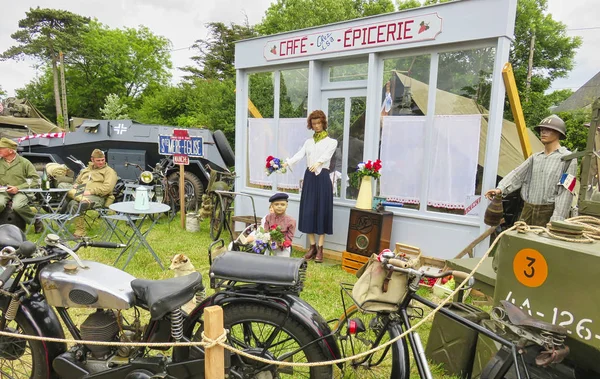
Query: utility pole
x=530, y=67
x=64, y=93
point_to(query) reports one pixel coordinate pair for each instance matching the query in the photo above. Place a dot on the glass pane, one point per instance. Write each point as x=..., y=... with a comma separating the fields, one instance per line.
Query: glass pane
x=335, y=128
x=356, y=142
x=460, y=126
x=261, y=132
x=293, y=93
x=404, y=98
x=348, y=72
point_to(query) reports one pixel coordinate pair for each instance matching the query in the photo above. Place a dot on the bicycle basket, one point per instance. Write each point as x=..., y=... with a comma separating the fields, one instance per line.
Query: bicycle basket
x=378, y=289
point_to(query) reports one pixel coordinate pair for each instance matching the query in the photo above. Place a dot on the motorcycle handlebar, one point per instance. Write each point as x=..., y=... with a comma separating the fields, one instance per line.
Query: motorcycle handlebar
x=106, y=245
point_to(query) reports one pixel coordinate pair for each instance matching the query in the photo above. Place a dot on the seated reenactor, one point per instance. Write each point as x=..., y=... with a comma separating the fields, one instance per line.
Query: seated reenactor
x=14, y=172
x=97, y=182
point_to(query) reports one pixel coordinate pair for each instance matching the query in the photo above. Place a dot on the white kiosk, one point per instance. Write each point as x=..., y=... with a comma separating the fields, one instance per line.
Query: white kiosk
x=421, y=90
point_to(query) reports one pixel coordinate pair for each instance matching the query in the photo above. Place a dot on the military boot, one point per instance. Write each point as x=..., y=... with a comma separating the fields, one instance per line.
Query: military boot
x=319, y=258
x=79, y=227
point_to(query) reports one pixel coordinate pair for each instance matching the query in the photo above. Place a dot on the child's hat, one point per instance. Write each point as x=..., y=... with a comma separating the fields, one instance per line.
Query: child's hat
x=278, y=196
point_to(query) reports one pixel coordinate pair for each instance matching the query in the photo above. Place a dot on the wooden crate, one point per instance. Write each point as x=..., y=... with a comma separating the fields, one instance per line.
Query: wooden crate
x=352, y=262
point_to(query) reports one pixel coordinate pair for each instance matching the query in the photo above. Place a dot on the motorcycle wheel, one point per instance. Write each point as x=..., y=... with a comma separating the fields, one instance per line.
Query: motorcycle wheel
x=193, y=190
x=20, y=358
x=253, y=329
x=377, y=365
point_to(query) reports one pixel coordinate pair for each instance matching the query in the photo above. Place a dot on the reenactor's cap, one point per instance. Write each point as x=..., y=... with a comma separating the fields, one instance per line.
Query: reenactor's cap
x=97, y=153
x=278, y=196
x=8, y=143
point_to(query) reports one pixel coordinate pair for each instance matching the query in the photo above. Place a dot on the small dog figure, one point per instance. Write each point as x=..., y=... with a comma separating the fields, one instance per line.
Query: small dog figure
x=181, y=266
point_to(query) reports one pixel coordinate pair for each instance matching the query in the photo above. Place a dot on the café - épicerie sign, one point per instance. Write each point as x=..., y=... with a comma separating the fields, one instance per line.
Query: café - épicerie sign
x=396, y=31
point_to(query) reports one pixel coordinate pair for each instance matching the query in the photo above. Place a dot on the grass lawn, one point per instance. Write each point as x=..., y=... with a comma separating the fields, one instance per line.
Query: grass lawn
x=321, y=289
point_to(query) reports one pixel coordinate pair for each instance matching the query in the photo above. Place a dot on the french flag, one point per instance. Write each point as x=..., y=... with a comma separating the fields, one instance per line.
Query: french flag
x=568, y=181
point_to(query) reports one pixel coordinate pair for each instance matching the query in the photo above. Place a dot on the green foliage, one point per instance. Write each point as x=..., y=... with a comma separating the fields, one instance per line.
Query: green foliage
x=126, y=62
x=285, y=15
x=114, y=109
x=576, y=132
x=44, y=32
x=2, y=92
x=407, y=4
x=201, y=103
x=216, y=54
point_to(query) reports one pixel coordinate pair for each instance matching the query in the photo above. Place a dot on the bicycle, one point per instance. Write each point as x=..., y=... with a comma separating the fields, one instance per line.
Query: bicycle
x=222, y=202
x=359, y=330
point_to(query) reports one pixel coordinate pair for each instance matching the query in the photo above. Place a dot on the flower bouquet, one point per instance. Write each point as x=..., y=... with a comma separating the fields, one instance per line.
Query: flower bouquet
x=266, y=241
x=367, y=168
x=275, y=165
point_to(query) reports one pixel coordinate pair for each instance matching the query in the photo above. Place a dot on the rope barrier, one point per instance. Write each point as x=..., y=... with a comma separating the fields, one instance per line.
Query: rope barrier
x=206, y=342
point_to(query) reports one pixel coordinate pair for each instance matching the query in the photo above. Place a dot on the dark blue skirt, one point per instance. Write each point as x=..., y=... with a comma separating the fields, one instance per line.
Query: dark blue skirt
x=316, y=204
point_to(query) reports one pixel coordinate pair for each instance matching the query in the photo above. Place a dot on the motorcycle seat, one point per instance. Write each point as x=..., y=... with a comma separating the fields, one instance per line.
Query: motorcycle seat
x=519, y=318
x=11, y=235
x=256, y=268
x=164, y=296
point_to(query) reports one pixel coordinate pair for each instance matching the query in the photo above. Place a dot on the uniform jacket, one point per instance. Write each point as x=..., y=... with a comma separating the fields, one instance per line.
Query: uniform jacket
x=15, y=173
x=97, y=181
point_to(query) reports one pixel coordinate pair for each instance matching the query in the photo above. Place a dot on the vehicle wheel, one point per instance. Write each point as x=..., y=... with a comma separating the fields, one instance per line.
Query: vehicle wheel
x=193, y=190
x=217, y=218
x=377, y=365
x=224, y=148
x=20, y=358
x=253, y=328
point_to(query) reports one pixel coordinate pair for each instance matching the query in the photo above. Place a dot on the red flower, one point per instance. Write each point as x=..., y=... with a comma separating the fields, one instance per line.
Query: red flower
x=274, y=226
x=368, y=165
x=377, y=165
x=287, y=243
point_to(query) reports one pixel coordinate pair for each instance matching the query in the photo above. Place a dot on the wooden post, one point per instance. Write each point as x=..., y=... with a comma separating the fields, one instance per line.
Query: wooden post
x=214, y=360
x=182, y=195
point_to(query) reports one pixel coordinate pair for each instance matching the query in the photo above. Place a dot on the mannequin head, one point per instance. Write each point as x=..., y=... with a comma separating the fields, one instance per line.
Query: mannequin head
x=314, y=118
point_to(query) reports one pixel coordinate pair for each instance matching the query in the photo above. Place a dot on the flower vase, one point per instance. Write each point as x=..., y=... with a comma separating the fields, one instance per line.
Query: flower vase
x=365, y=193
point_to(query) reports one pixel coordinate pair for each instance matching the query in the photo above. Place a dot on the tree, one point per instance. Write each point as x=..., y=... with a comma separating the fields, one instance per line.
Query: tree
x=216, y=53
x=407, y=4
x=127, y=62
x=114, y=109
x=43, y=34
x=286, y=15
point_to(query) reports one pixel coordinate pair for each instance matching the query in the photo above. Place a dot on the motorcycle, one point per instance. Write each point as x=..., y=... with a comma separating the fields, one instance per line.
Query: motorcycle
x=42, y=286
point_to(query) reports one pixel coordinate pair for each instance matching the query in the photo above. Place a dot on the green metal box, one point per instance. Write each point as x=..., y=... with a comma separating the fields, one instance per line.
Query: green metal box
x=451, y=343
x=485, y=350
x=555, y=281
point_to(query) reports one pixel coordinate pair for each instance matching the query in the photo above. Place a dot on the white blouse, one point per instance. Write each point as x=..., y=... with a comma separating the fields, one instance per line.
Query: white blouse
x=320, y=152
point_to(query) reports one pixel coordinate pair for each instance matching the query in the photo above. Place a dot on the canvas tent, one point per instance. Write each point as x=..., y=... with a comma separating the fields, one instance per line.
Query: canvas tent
x=448, y=103
x=20, y=117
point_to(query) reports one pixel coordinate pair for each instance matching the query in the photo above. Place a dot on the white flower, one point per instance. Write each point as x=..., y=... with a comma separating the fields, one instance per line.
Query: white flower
x=275, y=166
x=361, y=165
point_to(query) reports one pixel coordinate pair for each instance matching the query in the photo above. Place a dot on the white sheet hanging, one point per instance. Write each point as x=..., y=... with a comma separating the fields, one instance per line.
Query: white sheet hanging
x=261, y=140
x=455, y=146
x=401, y=154
x=292, y=134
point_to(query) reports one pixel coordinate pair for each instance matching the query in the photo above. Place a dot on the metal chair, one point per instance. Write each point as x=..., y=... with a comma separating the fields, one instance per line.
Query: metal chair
x=57, y=222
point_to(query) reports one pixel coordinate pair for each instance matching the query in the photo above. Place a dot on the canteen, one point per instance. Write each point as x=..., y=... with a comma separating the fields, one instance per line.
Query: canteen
x=142, y=200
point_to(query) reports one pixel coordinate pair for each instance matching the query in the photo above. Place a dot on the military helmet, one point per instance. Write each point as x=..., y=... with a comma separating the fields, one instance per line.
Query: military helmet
x=555, y=123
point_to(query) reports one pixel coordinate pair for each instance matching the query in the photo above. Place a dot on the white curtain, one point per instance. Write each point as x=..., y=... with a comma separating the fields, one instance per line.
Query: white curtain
x=402, y=140
x=455, y=147
x=261, y=144
x=292, y=135
x=454, y=161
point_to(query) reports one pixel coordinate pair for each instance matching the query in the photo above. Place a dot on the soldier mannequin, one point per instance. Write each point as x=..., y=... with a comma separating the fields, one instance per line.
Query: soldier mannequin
x=539, y=176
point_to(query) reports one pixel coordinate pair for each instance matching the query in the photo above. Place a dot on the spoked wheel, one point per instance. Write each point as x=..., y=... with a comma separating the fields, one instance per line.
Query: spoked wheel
x=217, y=218
x=193, y=190
x=20, y=358
x=377, y=365
x=255, y=329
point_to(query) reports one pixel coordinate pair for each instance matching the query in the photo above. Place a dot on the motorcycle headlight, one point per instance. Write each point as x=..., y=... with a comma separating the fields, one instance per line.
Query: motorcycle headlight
x=146, y=177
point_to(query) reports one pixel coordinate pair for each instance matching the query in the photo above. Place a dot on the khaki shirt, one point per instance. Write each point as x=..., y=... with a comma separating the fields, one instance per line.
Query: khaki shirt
x=15, y=173
x=97, y=181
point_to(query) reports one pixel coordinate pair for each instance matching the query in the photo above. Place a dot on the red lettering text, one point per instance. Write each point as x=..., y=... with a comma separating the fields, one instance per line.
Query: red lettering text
x=407, y=29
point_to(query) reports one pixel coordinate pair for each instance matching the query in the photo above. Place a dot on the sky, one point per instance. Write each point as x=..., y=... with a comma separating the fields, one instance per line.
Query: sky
x=183, y=22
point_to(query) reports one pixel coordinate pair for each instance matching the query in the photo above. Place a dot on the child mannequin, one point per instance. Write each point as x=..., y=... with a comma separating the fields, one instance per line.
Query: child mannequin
x=279, y=203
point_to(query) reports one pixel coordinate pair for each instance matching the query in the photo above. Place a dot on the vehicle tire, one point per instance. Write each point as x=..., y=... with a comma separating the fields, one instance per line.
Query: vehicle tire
x=193, y=190
x=217, y=218
x=224, y=148
x=380, y=363
x=250, y=325
x=21, y=358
